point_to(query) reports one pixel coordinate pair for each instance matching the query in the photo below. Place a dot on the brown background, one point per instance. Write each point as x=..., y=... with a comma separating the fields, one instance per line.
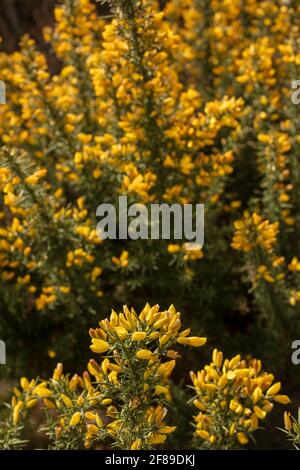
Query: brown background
x=18, y=17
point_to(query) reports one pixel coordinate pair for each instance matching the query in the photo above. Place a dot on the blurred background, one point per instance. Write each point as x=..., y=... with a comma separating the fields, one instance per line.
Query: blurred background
x=18, y=17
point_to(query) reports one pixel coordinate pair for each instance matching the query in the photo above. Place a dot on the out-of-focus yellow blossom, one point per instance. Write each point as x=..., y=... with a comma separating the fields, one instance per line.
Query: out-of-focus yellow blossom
x=254, y=231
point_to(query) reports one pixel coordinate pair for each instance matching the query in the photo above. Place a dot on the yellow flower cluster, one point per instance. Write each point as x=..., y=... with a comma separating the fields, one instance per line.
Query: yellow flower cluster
x=151, y=326
x=139, y=361
x=250, y=49
x=71, y=400
x=254, y=231
x=233, y=395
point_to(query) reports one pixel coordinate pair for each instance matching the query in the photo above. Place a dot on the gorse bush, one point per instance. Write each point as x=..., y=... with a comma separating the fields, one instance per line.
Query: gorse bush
x=189, y=102
x=124, y=399
x=116, y=120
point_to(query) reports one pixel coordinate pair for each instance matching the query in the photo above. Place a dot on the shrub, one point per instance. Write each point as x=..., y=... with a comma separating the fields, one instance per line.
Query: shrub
x=186, y=103
x=123, y=400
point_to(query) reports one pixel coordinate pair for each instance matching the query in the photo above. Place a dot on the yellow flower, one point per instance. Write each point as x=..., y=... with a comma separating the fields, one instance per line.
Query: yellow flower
x=99, y=346
x=283, y=399
x=66, y=400
x=203, y=434
x=121, y=332
x=173, y=248
x=138, y=335
x=49, y=404
x=136, y=444
x=261, y=414
x=167, y=429
x=157, y=438
x=24, y=383
x=257, y=394
x=106, y=401
x=274, y=389
x=31, y=403
x=76, y=417
x=42, y=392
x=159, y=389
x=99, y=421
x=192, y=341
x=287, y=421
x=144, y=354
x=242, y=438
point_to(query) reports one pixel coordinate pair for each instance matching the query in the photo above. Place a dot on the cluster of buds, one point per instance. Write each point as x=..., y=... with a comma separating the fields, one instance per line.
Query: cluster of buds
x=135, y=372
x=254, y=231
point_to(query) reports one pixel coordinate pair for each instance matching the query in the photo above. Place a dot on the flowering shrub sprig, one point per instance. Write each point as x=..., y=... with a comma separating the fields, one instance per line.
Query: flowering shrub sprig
x=233, y=395
x=292, y=428
x=123, y=399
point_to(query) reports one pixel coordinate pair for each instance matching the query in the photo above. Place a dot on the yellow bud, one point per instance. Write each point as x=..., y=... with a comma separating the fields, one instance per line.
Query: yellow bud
x=283, y=399
x=75, y=419
x=16, y=416
x=159, y=389
x=166, y=368
x=99, y=346
x=222, y=382
x=99, y=421
x=242, y=438
x=49, y=404
x=157, y=438
x=89, y=415
x=31, y=403
x=80, y=400
x=154, y=335
x=144, y=354
x=167, y=429
x=192, y=341
x=274, y=389
x=24, y=384
x=16, y=392
x=203, y=434
x=106, y=401
x=66, y=400
x=121, y=332
x=239, y=409
x=199, y=405
x=232, y=429
x=58, y=371
x=136, y=444
x=138, y=336
x=261, y=414
x=42, y=392
x=234, y=361
x=287, y=421
x=210, y=387
x=93, y=429
x=161, y=322
x=256, y=395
